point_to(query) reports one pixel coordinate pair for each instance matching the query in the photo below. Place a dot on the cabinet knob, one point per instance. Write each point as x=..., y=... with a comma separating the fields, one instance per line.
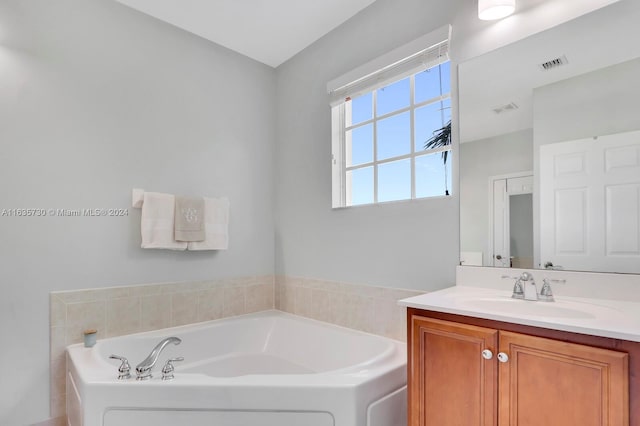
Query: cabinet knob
x=502, y=357
x=487, y=354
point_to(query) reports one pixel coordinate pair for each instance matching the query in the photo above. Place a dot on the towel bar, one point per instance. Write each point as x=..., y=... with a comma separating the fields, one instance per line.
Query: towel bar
x=137, y=197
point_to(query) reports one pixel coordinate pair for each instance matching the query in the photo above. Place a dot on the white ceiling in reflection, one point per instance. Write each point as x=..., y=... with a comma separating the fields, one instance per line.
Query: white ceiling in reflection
x=508, y=75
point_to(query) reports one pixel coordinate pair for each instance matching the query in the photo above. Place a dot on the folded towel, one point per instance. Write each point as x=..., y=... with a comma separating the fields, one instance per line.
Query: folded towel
x=216, y=225
x=156, y=224
x=189, y=219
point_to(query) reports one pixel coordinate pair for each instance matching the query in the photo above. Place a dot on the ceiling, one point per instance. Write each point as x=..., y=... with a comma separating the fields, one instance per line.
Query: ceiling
x=269, y=31
x=507, y=75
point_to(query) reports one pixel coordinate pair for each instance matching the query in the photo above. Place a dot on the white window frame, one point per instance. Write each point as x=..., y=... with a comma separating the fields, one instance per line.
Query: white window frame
x=406, y=61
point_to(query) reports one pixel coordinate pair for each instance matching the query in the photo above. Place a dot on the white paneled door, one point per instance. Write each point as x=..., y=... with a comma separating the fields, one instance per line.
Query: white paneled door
x=590, y=203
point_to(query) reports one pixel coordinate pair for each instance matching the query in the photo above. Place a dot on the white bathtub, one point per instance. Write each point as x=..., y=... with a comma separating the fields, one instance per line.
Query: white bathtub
x=266, y=369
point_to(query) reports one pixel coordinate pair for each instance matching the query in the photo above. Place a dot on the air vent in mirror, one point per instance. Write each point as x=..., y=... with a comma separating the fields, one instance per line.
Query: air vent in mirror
x=554, y=63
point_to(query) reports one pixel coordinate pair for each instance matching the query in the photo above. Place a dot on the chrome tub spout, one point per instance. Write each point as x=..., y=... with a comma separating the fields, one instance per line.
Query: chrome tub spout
x=143, y=370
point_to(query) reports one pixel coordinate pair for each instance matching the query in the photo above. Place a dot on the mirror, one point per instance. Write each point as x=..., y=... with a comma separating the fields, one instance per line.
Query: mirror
x=550, y=148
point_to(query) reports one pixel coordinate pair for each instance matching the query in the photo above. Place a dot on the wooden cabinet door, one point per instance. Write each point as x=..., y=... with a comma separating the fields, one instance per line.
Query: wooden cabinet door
x=553, y=383
x=450, y=383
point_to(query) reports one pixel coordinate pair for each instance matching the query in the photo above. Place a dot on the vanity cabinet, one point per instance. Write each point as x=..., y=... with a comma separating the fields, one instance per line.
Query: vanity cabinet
x=549, y=382
x=449, y=381
x=469, y=371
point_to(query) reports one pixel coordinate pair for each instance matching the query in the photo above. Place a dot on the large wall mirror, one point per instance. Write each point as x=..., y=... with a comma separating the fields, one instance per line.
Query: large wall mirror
x=550, y=148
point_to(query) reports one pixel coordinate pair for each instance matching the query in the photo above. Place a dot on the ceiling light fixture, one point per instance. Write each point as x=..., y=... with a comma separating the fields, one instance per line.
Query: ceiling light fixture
x=489, y=10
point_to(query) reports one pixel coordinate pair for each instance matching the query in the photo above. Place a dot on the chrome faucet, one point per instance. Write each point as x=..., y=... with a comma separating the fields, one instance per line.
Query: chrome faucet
x=143, y=370
x=525, y=288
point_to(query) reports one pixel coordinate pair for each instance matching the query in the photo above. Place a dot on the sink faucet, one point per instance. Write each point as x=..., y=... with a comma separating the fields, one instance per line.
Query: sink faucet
x=143, y=370
x=525, y=288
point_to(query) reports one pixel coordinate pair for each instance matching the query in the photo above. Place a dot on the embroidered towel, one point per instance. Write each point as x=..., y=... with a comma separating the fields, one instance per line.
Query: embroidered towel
x=156, y=224
x=189, y=219
x=216, y=225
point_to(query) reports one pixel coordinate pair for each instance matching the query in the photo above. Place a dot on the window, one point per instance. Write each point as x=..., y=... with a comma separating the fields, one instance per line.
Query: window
x=380, y=126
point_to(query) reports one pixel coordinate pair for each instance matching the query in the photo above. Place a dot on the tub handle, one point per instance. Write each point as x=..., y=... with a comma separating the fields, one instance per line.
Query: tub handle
x=167, y=370
x=124, y=371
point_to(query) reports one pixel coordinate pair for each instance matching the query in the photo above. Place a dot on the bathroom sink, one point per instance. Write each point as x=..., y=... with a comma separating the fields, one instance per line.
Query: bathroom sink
x=586, y=315
x=558, y=309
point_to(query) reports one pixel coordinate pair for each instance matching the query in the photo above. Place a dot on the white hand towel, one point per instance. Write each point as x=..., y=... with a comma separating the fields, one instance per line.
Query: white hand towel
x=189, y=219
x=157, y=222
x=216, y=225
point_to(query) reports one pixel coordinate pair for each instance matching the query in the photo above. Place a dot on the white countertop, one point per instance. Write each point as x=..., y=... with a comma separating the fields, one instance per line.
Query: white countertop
x=607, y=318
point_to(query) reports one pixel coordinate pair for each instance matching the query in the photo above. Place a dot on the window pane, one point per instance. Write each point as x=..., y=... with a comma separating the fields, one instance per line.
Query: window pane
x=361, y=109
x=360, y=186
x=394, y=136
x=432, y=177
x=433, y=82
x=359, y=145
x=393, y=97
x=445, y=75
x=394, y=180
x=429, y=119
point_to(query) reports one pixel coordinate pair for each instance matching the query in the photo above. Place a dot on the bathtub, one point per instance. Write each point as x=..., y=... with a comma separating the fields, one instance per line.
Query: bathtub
x=269, y=369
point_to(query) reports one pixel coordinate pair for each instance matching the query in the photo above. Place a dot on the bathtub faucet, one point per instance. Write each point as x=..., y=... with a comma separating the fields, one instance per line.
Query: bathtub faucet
x=143, y=370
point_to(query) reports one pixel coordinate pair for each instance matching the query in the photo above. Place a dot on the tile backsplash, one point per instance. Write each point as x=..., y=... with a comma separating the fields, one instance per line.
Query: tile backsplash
x=117, y=311
x=362, y=307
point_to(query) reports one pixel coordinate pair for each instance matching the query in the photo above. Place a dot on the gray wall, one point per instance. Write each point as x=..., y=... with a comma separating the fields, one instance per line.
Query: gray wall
x=597, y=103
x=479, y=160
x=405, y=244
x=521, y=225
x=97, y=99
